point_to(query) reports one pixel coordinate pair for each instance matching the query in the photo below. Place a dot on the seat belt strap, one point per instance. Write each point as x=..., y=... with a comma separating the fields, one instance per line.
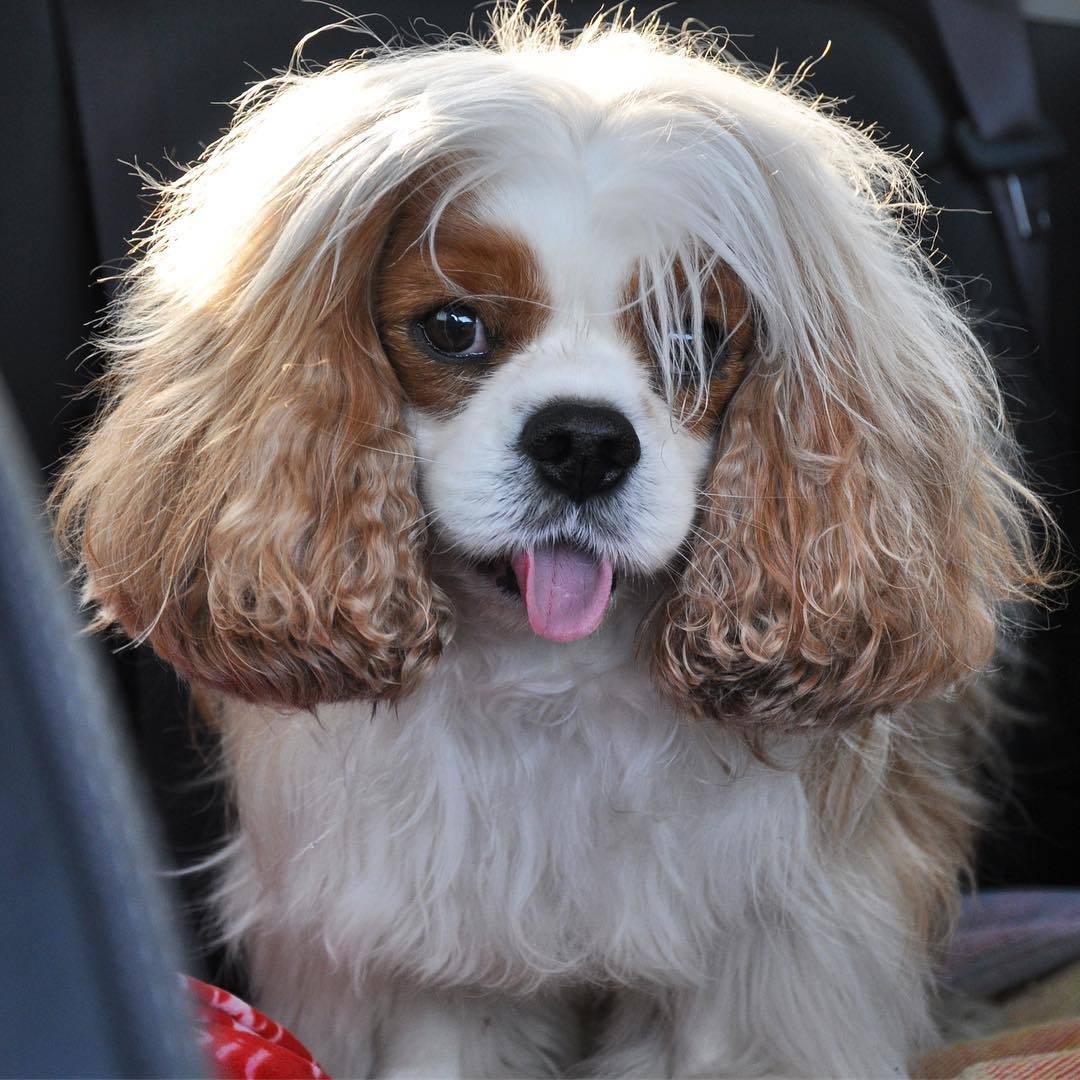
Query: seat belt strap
x=1006, y=138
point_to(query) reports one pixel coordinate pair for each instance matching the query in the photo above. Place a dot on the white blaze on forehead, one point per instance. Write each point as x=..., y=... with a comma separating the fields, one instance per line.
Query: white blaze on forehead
x=582, y=269
x=585, y=210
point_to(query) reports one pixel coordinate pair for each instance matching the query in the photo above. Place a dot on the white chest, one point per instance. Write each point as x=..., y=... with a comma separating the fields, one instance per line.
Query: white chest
x=522, y=818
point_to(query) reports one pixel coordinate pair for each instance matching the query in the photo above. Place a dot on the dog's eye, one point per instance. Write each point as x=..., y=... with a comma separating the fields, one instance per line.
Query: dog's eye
x=456, y=331
x=714, y=351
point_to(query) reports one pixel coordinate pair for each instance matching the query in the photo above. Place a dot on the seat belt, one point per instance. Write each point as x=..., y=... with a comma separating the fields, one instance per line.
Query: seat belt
x=1006, y=137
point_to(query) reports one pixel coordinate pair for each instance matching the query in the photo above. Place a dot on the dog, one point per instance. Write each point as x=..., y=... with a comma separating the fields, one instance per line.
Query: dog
x=590, y=515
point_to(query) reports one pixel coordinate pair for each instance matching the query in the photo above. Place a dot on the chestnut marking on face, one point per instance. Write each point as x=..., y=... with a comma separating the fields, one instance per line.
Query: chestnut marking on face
x=442, y=340
x=728, y=333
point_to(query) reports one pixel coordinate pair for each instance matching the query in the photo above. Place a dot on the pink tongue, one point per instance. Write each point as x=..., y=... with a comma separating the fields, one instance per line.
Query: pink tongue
x=566, y=591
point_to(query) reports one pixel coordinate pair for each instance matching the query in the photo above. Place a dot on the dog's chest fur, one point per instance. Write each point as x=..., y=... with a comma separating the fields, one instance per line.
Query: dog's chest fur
x=534, y=813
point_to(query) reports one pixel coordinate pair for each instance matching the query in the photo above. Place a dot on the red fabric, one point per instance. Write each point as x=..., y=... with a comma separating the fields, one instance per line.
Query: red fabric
x=243, y=1044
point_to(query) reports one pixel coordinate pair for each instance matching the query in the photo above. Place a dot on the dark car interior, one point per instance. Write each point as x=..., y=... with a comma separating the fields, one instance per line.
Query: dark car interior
x=94, y=88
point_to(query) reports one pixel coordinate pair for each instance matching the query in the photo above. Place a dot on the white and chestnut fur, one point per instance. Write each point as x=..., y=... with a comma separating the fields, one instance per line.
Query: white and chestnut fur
x=729, y=823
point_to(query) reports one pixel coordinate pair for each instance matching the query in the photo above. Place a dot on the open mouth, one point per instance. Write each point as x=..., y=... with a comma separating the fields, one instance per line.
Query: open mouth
x=565, y=589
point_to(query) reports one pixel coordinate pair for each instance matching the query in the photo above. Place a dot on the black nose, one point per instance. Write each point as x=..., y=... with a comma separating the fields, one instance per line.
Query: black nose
x=580, y=449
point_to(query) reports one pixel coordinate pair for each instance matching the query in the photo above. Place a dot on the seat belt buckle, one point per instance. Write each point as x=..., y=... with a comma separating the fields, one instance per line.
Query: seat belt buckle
x=1028, y=223
x=1011, y=158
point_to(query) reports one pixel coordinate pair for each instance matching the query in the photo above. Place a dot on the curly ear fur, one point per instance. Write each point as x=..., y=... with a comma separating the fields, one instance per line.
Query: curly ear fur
x=863, y=524
x=246, y=503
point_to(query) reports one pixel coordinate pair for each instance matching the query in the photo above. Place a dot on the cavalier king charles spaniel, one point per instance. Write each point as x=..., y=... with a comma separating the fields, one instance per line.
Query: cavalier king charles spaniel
x=587, y=513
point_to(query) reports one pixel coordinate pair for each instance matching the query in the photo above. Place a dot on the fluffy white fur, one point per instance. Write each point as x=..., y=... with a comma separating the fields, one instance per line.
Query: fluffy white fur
x=536, y=861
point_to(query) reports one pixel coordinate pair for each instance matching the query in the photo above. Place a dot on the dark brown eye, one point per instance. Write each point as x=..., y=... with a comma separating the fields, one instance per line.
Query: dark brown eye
x=714, y=351
x=456, y=331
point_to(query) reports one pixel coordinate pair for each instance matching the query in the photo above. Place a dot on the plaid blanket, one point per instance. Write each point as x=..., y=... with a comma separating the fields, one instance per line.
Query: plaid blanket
x=1019, y=951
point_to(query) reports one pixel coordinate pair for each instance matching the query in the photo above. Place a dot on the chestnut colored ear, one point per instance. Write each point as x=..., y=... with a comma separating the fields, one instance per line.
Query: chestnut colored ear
x=852, y=553
x=247, y=502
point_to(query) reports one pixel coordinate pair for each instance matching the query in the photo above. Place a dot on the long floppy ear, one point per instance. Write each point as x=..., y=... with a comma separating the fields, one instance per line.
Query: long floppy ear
x=246, y=502
x=863, y=525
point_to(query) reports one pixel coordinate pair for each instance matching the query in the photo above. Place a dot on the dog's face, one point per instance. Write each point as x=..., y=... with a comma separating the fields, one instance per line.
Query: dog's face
x=571, y=314
x=556, y=455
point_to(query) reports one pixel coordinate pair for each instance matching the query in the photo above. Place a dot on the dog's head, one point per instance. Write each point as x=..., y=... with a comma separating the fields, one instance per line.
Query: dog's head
x=572, y=314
